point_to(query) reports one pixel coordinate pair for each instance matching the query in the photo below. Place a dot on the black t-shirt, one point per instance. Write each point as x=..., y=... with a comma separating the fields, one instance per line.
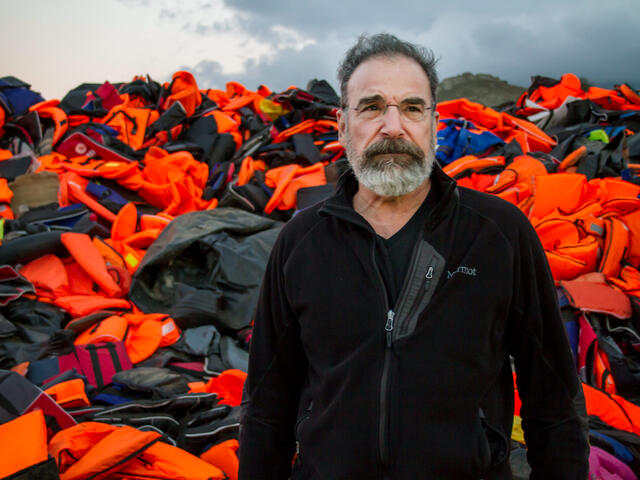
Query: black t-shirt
x=395, y=252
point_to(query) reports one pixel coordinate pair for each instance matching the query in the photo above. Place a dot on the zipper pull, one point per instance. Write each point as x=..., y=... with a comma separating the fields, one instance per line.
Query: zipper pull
x=389, y=326
x=429, y=274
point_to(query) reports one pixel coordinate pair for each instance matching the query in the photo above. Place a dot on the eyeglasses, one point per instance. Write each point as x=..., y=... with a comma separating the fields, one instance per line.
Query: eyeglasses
x=411, y=110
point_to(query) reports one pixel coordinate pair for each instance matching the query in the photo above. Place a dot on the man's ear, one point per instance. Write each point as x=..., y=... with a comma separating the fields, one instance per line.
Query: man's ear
x=342, y=126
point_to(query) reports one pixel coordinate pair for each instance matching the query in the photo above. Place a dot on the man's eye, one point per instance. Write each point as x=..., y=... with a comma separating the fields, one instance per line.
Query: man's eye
x=414, y=108
x=370, y=108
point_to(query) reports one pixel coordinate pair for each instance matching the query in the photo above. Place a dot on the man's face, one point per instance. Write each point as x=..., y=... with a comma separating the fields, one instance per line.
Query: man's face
x=391, y=154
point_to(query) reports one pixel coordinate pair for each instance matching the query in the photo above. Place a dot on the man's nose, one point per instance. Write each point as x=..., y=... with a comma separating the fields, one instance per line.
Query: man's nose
x=392, y=122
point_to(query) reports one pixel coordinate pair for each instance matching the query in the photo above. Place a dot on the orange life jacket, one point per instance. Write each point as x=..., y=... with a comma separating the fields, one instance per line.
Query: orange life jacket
x=81, y=305
x=91, y=449
x=570, y=251
x=616, y=247
x=69, y=394
x=471, y=162
x=224, y=456
x=97, y=450
x=48, y=275
x=612, y=409
x=228, y=385
x=87, y=255
x=563, y=191
x=23, y=442
x=628, y=280
x=629, y=93
x=142, y=333
x=125, y=222
x=183, y=89
x=552, y=97
x=131, y=123
x=287, y=180
x=72, y=189
x=49, y=109
x=505, y=126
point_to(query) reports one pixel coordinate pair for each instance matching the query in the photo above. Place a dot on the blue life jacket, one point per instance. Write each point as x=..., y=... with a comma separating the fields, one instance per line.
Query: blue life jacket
x=459, y=139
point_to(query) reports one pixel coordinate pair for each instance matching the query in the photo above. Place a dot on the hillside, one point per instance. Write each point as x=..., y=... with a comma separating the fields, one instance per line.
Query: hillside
x=483, y=88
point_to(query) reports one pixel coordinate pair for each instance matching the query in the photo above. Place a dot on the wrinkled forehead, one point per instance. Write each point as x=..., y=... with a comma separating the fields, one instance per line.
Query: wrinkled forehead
x=392, y=78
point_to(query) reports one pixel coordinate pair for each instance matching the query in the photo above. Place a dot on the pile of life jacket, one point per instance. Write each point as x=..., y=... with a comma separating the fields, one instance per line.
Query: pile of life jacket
x=136, y=220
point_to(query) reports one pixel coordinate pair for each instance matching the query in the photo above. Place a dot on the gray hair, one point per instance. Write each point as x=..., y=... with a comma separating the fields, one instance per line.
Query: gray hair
x=386, y=45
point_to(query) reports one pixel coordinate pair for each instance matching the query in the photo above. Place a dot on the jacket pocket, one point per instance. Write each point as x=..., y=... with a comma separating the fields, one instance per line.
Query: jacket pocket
x=494, y=445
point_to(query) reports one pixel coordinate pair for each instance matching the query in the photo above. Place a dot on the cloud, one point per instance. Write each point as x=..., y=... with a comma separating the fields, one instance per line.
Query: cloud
x=168, y=14
x=208, y=74
x=135, y=3
x=301, y=40
x=316, y=19
x=290, y=67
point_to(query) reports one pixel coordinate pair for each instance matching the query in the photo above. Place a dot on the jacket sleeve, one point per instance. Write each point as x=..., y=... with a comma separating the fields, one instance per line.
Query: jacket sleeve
x=277, y=368
x=553, y=414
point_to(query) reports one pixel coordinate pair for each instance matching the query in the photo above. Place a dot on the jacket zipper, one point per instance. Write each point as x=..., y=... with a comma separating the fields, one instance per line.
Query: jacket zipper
x=425, y=287
x=384, y=379
x=384, y=390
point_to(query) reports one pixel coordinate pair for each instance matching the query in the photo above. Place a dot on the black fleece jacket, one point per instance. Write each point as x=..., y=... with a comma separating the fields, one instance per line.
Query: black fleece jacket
x=424, y=391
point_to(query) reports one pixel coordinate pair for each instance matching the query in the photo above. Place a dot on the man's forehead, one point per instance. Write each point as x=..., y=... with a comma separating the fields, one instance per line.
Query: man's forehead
x=395, y=76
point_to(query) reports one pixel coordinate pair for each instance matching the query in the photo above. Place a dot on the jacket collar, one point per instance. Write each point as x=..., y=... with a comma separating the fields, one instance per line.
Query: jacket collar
x=341, y=203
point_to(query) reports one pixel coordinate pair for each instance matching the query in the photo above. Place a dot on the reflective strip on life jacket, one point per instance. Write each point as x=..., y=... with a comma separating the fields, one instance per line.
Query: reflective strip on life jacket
x=131, y=256
x=170, y=332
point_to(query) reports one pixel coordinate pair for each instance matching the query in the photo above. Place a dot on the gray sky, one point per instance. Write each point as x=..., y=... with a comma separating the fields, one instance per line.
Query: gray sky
x=55, y=46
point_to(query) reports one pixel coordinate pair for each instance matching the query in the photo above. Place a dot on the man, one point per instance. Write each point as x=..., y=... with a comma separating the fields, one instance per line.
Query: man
x=389, y=312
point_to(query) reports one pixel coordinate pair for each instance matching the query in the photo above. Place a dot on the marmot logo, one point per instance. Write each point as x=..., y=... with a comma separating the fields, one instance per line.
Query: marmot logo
x=464, y=270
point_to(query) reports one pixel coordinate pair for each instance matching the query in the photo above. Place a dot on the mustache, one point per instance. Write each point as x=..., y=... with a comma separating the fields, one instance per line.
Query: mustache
x=393, y=146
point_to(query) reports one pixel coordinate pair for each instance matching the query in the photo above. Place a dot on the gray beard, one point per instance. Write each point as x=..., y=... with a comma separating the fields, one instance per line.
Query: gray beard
x=390, y=178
